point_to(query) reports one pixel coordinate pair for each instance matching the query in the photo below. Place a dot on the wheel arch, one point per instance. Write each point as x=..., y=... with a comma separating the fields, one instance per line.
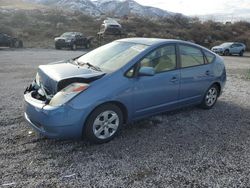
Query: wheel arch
x=123, y=109
x=218, y=85
x=119, y=104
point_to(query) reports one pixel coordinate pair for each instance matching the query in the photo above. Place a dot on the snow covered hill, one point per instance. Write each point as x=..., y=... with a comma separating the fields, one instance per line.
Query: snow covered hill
x=111, y=7
x=126, y=7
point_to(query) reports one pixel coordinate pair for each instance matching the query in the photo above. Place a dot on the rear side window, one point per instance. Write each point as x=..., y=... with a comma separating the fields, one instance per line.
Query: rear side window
x=190, y=56
x=210, y=57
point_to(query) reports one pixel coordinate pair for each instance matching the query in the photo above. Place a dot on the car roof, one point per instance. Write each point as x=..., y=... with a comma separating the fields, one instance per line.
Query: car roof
x=73, y=33
x=153, y=41
x=111, y=21
x=228, y=42
x=159, y=41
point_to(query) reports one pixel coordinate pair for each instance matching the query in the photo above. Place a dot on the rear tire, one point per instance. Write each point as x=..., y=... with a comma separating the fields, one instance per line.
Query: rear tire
x=103, y=124
x=12, y=44
x=16, y=44
x=241, y=53
x=73, y=47
x=210, y=98
x=20, y=44
x=87, y=45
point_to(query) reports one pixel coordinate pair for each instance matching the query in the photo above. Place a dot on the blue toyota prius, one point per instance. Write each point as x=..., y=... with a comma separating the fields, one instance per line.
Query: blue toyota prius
x=93, y=95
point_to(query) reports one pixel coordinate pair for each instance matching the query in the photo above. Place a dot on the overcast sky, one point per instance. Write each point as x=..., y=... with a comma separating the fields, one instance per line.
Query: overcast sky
x=201, y=7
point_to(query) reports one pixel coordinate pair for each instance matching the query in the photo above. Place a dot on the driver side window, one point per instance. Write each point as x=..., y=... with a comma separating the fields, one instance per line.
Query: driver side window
x=162, y=59
x=233, y=45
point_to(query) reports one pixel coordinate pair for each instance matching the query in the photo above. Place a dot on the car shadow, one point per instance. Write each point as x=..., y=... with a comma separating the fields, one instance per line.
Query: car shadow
x=9, y=49
x=177, y=135
x=246, y=55
x=78, y=49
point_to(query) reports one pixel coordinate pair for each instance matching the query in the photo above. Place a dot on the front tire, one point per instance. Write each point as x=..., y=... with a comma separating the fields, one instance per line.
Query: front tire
x=210, y=97
x=226, y=53
x=87, y=45
x=103, y=124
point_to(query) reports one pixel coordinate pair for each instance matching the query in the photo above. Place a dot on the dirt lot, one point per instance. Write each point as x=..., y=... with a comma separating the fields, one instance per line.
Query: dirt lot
x=189, y=147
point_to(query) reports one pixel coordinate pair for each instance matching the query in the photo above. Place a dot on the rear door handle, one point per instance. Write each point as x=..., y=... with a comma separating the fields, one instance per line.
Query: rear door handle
x=207, y=73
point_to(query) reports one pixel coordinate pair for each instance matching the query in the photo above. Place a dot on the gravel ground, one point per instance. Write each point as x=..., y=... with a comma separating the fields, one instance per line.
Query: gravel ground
x=185, y=148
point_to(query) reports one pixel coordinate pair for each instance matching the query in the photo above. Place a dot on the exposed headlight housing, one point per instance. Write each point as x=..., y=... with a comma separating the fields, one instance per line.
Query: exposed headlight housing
x=67, y=93
x=38, y=79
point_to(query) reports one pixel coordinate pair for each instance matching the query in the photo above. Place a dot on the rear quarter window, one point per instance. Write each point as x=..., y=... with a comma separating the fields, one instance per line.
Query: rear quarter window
x=210, y=57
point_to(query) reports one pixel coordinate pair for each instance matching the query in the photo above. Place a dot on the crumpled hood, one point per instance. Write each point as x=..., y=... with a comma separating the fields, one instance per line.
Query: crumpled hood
x=55, y=77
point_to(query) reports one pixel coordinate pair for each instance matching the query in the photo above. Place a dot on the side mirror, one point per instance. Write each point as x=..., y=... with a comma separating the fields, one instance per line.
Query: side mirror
x=146, y=71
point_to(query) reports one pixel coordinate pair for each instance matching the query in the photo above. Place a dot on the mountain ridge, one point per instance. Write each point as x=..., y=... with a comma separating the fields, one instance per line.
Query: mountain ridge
x=116, y=8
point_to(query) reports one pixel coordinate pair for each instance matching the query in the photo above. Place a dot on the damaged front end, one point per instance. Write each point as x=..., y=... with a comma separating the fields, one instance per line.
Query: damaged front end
x=46, y=99
x=55, y=84
x=37, y=91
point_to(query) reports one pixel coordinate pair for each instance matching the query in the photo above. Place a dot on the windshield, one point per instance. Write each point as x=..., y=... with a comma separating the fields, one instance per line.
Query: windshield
x=67, y=35
x=226, y=44
x=112, y=56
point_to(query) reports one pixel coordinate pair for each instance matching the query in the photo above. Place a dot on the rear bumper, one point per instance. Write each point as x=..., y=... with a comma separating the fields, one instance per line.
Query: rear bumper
x=54, y=122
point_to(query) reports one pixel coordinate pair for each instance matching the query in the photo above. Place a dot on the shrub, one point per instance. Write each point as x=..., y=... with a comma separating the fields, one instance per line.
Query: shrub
x=19, y=19
x=6, y=29
x=45, y=25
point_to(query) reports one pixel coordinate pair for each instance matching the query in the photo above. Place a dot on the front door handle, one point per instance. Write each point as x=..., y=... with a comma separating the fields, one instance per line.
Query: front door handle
x=174, y=79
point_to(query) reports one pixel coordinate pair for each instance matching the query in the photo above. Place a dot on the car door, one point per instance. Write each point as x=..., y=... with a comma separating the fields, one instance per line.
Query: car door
x=81, y=40
x=4, y=40
x=1, y=40
x=234, y=49
x=160, y=91
x=78, y=40
x=239, y=48
x=196, y=74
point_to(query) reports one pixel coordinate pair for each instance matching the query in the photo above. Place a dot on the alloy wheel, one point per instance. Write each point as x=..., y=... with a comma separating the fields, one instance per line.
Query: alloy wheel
x=211, y=96
x=226, y=53
x=106, y=124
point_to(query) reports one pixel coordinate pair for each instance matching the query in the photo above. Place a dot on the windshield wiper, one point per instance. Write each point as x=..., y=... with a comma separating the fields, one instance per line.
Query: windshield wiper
x=93, y=66
x=89, y=65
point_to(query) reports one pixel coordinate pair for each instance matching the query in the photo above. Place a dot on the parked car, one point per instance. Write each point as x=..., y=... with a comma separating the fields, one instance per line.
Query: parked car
x=72, y=40
x=8, y=41
x=95, y=94
x=230, y=48
x=110, y=27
